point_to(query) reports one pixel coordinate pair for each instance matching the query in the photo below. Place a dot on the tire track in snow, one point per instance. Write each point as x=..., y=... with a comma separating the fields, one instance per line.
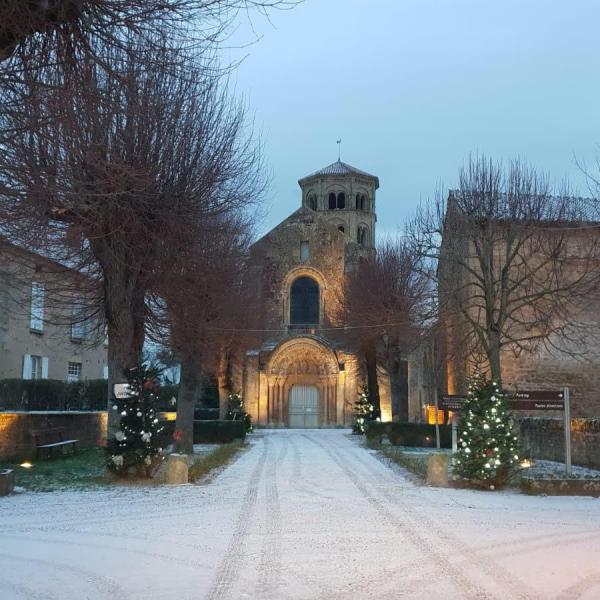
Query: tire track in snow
x=449, y=571
x=512, y=584
x=270, y=561
x=578, y=589
x=23, y=591
x=231, y=562
x=108, y=587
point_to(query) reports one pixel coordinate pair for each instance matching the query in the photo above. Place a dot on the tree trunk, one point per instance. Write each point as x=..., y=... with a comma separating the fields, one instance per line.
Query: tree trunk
x=222, y=383
x=372, y=381
x=189, y=389
x=494, y=356
x=124, y=306
x=398, y=371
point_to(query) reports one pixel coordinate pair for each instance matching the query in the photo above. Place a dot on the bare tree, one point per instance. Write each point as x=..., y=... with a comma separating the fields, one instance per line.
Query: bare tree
x=386, y=301
x=515, y=264
x=63, y=31
x=205, y=304
x=117, y=168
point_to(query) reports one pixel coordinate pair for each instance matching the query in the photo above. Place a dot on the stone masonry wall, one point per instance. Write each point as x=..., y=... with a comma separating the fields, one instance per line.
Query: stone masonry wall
x=544, y=439
x=16, y=440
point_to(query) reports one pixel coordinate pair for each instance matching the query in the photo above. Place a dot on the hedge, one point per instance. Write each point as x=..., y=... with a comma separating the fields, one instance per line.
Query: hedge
x=52, y=394
x=89, y=394
x=218, y=432
x=409, y=434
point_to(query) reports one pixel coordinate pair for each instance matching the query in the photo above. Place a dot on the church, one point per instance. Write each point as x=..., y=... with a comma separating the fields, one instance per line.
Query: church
x=302, y=373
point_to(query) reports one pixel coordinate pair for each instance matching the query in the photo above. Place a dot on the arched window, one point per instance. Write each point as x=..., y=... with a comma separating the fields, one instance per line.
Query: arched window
x=332, y=201
x=341, y=200
x=312, y=202
x=361, y=236
x=361, y=202
x=304, y=302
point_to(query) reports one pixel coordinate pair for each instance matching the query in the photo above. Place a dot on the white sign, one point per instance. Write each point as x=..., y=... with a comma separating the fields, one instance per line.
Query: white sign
x=122, y=391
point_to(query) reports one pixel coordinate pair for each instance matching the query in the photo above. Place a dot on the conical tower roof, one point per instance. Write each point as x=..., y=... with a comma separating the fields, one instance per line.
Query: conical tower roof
x=339, y=169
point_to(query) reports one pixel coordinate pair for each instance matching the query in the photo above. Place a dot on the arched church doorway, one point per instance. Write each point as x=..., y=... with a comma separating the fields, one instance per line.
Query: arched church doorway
x=304, y=407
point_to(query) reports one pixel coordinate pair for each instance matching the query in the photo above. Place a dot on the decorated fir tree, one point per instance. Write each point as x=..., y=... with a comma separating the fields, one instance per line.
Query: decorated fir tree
x=487, y=443
x=135, y=446
x=363, y=411
x=237, y=412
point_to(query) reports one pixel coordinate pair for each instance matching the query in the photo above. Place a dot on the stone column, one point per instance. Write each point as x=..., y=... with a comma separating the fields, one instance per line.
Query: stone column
x=340, y=398
x=263, y=399
x=332, y=404
x=278, y=403
x=285, y=392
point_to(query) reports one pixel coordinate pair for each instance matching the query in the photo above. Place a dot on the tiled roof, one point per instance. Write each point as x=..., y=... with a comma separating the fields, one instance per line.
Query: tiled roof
x=340, y=168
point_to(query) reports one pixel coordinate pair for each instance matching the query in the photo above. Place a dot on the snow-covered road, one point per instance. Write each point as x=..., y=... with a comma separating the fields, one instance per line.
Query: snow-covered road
x=303, y=514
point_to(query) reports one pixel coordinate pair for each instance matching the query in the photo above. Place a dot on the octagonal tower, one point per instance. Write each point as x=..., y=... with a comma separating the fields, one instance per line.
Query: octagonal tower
x=345, y=197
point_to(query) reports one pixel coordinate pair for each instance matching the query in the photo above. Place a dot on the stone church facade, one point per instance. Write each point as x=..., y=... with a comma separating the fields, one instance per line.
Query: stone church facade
x=301, y=373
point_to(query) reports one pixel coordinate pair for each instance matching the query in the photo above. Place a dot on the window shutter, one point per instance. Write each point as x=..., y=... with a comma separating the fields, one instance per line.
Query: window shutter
x=27, y=366
x=44, y=367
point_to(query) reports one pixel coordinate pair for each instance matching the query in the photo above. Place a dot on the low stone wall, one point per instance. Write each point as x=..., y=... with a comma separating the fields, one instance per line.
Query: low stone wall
x=544, y=439
x=16, y=440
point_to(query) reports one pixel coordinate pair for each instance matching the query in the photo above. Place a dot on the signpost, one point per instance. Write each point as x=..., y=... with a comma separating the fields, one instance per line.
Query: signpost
x=525, y=400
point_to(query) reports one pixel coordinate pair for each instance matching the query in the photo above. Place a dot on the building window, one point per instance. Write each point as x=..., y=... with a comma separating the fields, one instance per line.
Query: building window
x=431, y=415
x=35, y=367
x=341, y=228
x=361, y=202
x=36, y=321
x=105, y=371
x=81, y=330
x=304, y=251
x=304, y=302
x=361, y=236
x=312, y=202
x=74, y=371
x=337, y=201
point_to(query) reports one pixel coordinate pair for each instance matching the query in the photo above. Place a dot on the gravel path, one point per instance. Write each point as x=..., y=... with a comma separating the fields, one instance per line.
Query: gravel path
x=302, y=515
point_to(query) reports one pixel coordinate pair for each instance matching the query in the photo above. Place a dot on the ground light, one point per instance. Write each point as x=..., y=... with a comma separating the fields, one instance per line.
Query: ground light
x=526, y=464
x=26, y=465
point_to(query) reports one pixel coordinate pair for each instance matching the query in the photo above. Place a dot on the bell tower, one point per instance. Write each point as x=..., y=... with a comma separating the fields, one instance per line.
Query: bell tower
x=345, y=197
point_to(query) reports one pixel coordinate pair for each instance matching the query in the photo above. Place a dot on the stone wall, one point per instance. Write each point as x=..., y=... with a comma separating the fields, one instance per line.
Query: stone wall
x=16, y=440
x=545, y=439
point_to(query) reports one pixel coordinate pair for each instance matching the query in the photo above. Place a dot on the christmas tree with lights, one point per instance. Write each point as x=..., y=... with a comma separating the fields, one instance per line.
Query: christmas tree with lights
x=487, y=443
x=363, y=411
x=237, y=412
x=135, y=446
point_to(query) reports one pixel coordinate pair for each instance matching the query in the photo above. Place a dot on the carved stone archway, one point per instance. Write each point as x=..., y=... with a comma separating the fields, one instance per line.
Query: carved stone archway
x=301, y=361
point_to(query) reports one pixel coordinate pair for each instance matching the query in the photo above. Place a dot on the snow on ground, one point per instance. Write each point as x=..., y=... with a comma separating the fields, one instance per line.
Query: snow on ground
x=302, y=515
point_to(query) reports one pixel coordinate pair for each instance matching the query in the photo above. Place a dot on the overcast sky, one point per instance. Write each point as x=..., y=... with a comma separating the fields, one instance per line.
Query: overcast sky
x=413, y=86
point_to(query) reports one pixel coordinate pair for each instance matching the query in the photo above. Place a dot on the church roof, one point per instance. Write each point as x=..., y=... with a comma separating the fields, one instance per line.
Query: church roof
x=339, y=168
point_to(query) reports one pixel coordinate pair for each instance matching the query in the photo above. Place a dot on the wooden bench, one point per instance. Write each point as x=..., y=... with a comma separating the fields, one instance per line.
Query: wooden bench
x=51, y=440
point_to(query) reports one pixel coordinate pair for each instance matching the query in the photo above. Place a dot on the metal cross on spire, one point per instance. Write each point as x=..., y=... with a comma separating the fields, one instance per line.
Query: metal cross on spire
x=339, y=143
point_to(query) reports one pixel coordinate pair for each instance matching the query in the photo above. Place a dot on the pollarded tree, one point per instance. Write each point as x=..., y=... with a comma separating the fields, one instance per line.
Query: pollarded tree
x=387, y=299
x=116, y=167
x=63, y=31
x=205, y=305
x=515, y=264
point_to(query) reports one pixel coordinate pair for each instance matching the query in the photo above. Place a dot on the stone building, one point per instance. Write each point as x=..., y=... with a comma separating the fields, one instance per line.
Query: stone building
x=302, y=374
x=43, y=336
x=569, y=357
